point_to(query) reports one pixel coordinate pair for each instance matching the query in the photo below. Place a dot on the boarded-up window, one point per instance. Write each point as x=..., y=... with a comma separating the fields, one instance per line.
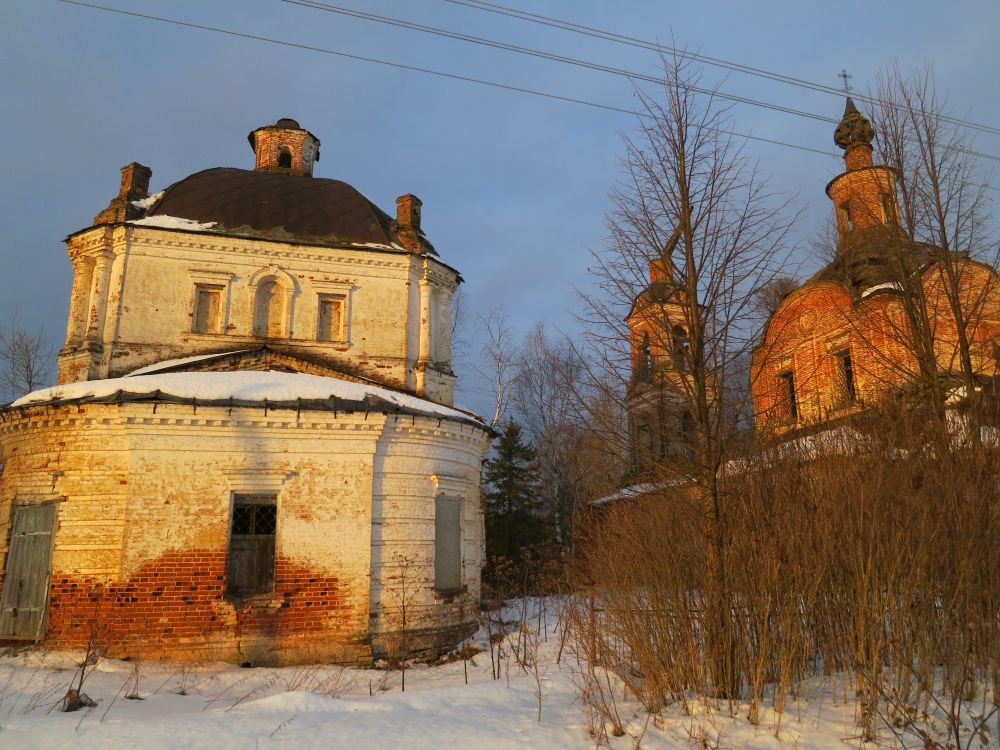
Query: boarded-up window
x=251, y=545
x=330, y=326
x=207, y=309
x=26, y=583
x=447, y=544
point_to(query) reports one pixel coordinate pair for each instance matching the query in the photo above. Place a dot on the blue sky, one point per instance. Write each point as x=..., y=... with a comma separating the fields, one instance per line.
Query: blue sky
x=514, y=186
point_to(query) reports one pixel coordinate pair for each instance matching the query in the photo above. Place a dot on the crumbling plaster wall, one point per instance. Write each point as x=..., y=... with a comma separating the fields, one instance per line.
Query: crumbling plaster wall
x=144, y=312
x=144, y=516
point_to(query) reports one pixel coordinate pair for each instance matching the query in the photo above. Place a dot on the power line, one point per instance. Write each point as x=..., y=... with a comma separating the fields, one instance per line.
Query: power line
x=631, y=75
x=438, y=73
x=418, y=69
x=575, y=61
x=631, y=41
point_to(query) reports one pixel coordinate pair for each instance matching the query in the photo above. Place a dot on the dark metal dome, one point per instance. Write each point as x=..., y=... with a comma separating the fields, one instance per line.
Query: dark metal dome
x=277, y=206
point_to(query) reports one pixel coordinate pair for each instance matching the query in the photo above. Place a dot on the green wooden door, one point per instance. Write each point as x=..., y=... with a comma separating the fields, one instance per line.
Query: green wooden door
x=29, y=567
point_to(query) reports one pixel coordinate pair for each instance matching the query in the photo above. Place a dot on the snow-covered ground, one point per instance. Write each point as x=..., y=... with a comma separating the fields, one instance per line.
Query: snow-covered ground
x=221, y=706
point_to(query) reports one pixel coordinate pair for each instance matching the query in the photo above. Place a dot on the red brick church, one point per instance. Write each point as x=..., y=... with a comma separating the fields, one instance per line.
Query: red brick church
x=843, y=339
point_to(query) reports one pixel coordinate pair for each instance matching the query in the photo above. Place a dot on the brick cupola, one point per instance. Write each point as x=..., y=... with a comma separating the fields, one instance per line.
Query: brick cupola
x=865, y=194
x=284, y=147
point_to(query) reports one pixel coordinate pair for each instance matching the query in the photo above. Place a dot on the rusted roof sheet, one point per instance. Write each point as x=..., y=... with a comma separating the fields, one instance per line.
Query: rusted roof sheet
x=277, y=206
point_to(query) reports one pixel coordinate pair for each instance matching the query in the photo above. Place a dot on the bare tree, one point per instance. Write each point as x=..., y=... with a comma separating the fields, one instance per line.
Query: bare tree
x=404, y=588
x=771, y=294
x=692, y=206
x=823, y=242
x=546, y=396
x=499, y=353
x=25, y=358
x=945, y=257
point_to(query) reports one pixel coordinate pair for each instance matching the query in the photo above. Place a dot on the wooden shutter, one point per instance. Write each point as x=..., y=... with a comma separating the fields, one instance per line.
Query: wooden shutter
x=29, y=562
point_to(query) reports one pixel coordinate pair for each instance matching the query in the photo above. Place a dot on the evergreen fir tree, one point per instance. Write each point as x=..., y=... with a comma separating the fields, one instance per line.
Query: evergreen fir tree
x=513, y=524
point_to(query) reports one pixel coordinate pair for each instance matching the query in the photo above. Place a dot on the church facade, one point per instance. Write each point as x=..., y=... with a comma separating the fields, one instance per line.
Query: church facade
x=843, y=340
x=252, y=453
x=838, y=343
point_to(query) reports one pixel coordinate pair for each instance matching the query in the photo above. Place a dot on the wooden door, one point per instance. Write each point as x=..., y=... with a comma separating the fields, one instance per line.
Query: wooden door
x=29, y=567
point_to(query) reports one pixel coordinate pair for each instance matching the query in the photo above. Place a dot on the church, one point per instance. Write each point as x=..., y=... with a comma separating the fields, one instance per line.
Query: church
x=252, y=453
x=844, y=339
x=835, y=345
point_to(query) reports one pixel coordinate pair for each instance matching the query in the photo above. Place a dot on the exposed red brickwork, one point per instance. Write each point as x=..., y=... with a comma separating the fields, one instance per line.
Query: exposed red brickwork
x=134, y=186
x=302, y=148
x=843, y=339
x=863, y=191
x=818, y=321
x=858, y=157
x=176, y=606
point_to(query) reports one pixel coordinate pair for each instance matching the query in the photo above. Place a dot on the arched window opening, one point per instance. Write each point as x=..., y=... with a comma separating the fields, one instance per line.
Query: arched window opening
x=888, y=209
x=269, y=308
x=285, y=157
x=845, y=219
x=680, y=347
x=642, y=360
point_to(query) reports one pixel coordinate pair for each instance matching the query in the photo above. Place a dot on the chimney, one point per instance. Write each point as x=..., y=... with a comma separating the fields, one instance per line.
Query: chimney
x=134, y=186
x=135, y=181
x=408, y=221
x=408, y=211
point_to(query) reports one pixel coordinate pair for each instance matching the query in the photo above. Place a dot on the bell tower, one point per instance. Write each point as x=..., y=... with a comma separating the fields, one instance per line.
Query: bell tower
x=864, y=195
x=284, y=148
x=660, y=426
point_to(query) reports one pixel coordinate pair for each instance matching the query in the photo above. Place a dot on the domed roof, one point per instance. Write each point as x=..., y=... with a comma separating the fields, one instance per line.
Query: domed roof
x=278, y=207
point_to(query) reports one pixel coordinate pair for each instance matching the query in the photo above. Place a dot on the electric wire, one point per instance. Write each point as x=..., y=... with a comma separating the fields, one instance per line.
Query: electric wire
x=631, y=41
x=575, y=61
x=630, y=75
x=419, y=69
x=445, y=74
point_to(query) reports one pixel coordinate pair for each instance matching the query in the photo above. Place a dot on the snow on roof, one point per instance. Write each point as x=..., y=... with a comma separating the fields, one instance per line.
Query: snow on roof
x=173, y=222
x=628, y=493
x=893, y=285
x=147, y=202
x=168, y=364
x=380, y=245
x=178, y=222
x=840, y=440
x=246, y=387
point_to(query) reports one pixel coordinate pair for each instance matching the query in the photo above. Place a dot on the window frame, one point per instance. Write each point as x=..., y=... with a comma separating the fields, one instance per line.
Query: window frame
x=844, y=216
x=338, y=334
x=450, y=581
x=845, y=371
x=257, y=542
x=284, y=150
x=789, y=398
x=202, y=290
x=222, y=280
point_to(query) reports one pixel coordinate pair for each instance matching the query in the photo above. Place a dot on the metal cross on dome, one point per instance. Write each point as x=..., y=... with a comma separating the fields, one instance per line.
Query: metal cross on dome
x=845, y=75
